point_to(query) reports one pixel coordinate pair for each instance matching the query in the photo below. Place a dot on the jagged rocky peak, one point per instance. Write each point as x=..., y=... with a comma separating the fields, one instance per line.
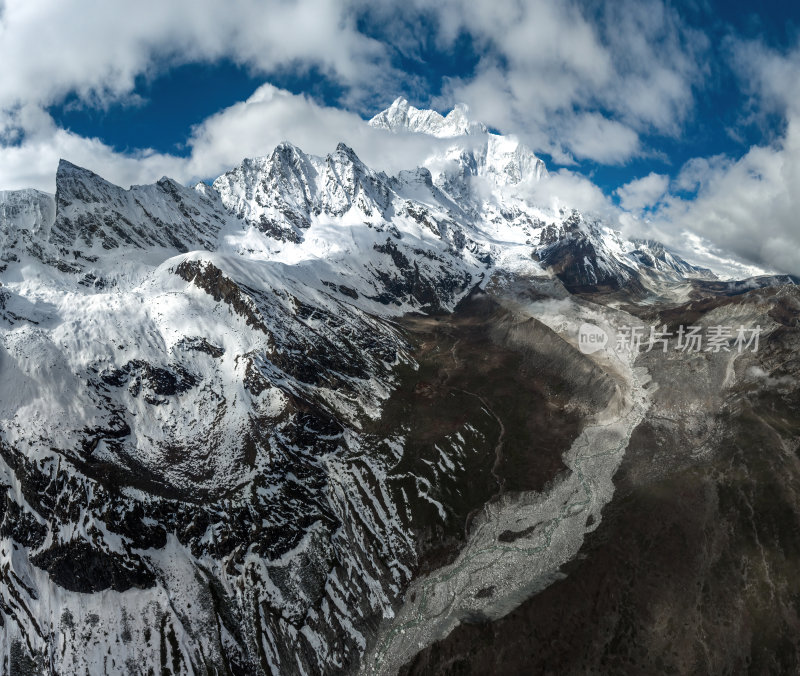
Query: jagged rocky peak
x=344, y=159
x=78, y=185
x=401, y=116
x=275, y=193
x=655, y=255
x=350, y=183
x=588, y=255
x=91, y=212
x=583, y=254
x=290, y=164
x=286, y=164
x=344, y=151
x=280, y=194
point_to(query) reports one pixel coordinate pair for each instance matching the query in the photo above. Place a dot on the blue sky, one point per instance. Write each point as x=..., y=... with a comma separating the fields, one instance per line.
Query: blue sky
x=662, y=111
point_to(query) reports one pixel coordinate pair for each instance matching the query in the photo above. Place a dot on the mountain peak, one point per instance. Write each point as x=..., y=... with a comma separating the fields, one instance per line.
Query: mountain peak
x=347, y=155
x=67, y=167
x=344, y=148
x=92, y=212
x=399, y=103
x=401, y=116
x=459, y=115
x=69, y=176
x=286, y=149
x=74, y=181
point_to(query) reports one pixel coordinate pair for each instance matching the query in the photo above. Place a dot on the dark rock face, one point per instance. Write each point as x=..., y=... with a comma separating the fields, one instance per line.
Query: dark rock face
x=20, y=525
x=575, y=252
x=403, y=280
x=221, y=288
x=156, y=382
x=200, y=344
x=78, y=567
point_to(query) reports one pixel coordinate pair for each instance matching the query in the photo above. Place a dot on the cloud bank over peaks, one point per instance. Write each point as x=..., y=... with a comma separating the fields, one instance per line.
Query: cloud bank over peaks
x=578, y=81
x=250, y=128
x=575, y=80
x=746, y=206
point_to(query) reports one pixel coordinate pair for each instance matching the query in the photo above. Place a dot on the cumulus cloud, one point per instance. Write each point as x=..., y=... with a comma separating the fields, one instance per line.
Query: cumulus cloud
x=578, y=80
x=643, y=192
x=595, y=137
x=695, y=173
x=96, y=49
x=749, y=206
x=565, y=189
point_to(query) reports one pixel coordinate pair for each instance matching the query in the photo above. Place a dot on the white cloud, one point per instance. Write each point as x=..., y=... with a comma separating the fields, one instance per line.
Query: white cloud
x=595, y=137
x=767, y=75
x=577, y=83
x=749, y=206
x=565, y=189
x=695, y=173
x=50, y=48
x=643, y=193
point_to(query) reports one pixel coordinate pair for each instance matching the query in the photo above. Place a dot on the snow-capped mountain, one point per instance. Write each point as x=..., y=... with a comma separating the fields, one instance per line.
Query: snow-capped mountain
x=476, y=152
x=586, y=255
x=401, y=116
x=194, y=475
x=93, y=214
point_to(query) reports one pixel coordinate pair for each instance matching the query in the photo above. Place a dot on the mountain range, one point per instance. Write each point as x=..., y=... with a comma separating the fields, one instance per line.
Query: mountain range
x=310, y=418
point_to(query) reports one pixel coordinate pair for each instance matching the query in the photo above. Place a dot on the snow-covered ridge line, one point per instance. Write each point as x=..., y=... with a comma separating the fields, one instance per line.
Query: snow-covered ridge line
x=291, y=206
